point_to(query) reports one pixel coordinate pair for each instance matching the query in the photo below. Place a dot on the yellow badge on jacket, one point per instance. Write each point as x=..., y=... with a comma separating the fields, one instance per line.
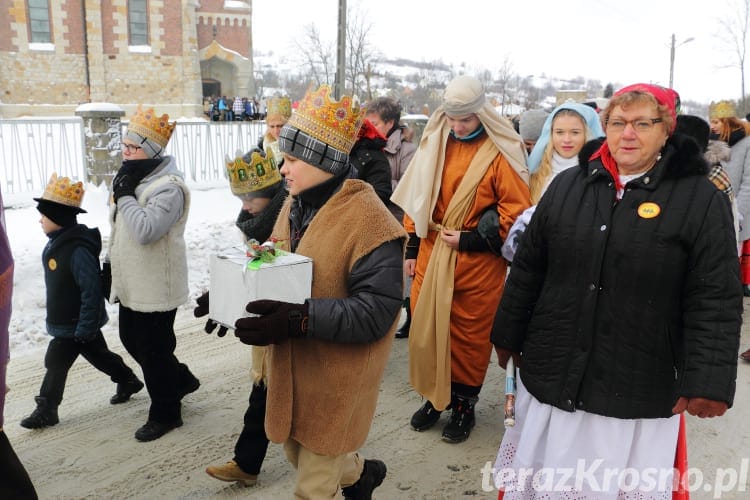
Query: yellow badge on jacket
x=648, y=210
x=52, y=264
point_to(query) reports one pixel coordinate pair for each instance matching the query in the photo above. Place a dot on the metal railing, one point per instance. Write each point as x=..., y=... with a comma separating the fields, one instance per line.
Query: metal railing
x=31, y=149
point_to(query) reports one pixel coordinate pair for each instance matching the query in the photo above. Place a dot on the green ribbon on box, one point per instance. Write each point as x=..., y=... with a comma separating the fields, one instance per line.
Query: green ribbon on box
x=255, y=263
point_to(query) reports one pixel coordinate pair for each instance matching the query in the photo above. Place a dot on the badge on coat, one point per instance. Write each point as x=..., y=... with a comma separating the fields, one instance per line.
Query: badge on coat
x=52, y=264
x=649, y=210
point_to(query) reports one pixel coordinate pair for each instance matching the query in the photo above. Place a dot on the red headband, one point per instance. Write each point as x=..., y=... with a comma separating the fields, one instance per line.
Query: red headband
x=664, y=96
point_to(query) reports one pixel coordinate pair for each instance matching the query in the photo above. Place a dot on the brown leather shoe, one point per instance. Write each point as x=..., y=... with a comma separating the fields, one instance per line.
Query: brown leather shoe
x=230, y=472
x=745, y=356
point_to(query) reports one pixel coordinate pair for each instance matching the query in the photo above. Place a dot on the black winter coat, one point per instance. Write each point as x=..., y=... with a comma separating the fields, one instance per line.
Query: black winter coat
x=372, y=166
x=620, y=308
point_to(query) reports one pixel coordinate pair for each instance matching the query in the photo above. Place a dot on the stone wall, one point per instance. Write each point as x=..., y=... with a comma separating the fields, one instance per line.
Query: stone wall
x=54, y=78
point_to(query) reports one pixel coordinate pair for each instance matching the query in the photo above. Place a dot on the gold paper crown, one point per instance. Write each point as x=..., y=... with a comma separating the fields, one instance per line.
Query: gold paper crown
x=335, y=123
x=722, y=109
x=279, y=106
x=148, y=125
x=245, y=178
x=61, y=190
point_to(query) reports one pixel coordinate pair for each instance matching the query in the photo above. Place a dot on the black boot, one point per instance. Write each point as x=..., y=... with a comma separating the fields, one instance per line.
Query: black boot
x=45, y=415
x=403, y=332
x=372, y=476
x=425, y=417
x=746, y=290
x=462, y=419
x=125, y=390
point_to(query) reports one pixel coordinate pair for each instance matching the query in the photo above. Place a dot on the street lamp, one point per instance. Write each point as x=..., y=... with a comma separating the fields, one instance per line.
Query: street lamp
x=671, y=57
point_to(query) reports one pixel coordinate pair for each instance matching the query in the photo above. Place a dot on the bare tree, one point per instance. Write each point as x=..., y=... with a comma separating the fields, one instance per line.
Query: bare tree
x=316, y=55
x=504, y=77
x=361, y=55
x=734, y=34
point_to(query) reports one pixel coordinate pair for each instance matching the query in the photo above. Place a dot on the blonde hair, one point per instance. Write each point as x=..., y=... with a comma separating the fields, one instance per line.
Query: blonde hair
x=538, y=179
x=283, y=119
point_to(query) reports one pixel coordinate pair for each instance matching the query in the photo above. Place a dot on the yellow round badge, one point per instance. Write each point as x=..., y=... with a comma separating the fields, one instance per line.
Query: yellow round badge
x=649, y=210
x=52, y=264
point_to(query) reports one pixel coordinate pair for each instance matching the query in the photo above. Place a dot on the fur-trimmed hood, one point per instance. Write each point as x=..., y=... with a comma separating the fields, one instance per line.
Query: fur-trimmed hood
x=681, y=156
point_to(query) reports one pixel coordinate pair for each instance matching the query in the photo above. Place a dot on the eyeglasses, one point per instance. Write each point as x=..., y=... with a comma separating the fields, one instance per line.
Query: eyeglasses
x=639, y=124
x=130, y=148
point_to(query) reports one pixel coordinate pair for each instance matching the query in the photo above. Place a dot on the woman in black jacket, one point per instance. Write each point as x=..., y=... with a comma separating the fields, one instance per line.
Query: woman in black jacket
x=370, y=162
x=623, y=305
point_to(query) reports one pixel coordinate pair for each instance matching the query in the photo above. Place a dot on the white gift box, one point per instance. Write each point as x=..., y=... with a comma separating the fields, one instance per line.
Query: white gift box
x=288, y=278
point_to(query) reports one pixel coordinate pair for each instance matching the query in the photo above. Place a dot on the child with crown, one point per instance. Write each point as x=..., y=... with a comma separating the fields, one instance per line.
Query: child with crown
x=326, y=357
x=75, y=302
x=148, y=260
x=255, y=179
x=279, y=111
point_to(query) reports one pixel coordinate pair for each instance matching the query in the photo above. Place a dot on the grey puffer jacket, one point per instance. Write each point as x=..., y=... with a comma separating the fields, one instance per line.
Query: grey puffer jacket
x=738, y=169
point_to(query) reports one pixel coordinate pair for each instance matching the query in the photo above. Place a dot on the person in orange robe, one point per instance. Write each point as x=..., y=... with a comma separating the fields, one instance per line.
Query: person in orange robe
x=464, y=188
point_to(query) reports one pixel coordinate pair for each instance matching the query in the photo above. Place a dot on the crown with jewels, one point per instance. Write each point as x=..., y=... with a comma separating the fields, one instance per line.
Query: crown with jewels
x=335, y=123
x=148, y=125
x=279, y=106
x=61, y=190
x=246, y=177
x=722, y=109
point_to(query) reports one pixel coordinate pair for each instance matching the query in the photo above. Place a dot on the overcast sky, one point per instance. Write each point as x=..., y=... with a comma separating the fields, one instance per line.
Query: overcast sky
x=623, y=41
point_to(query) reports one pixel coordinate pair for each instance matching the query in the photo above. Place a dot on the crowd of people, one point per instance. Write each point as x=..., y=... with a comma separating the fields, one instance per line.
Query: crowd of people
x=227, y=109
x=602, y=251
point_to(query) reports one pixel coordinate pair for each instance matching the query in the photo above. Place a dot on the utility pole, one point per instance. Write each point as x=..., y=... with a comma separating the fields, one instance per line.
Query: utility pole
x=671, y=63
x=340, y=81
x=251, y=87
x=672, y=48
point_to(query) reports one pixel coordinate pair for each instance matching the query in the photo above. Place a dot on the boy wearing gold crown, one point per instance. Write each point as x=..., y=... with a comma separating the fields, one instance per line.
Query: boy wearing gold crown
x=149, y=265
x=255, y=179
x=75, y=302
x=326, y=357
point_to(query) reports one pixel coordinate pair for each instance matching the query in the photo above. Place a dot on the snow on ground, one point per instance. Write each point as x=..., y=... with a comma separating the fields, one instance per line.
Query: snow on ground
x=210, y=228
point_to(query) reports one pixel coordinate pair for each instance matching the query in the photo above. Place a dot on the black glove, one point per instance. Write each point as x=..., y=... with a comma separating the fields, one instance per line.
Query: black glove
x=276, y=322
x=126, y=180
x=211, y=326
x=412, y=246
x=202, y=310
x=489, y=229
x=106, y=276
x=123, y=185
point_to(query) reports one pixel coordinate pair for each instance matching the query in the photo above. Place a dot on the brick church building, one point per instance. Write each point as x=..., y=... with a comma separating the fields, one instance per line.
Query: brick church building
x=58, y=54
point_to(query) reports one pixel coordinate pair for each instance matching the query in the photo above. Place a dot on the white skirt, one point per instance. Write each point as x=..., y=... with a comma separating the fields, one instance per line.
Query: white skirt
x=555, y=454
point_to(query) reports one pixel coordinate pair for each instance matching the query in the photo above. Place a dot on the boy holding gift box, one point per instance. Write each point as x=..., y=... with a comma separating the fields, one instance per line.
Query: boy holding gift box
x=327, y=355
x=255, y=179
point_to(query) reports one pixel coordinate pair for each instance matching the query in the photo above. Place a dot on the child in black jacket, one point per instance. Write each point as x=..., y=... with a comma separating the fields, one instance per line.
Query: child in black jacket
x=75, y=302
